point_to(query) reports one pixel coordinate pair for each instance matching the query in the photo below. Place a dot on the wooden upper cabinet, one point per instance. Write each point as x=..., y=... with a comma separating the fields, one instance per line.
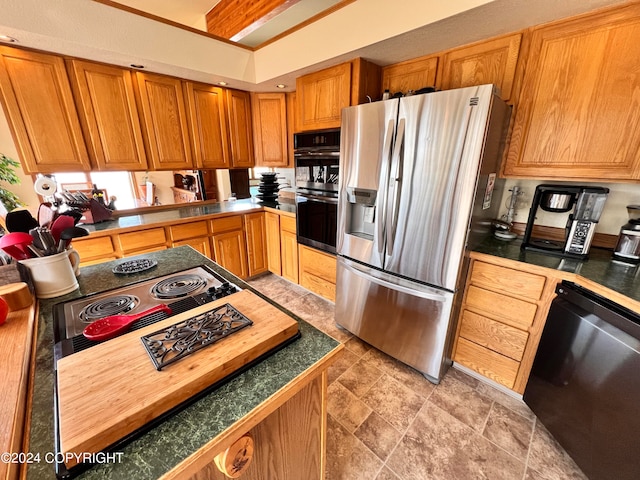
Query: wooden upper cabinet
x=492, y=61
x=410, y=75
x=270, y=129
x=322, y=95
x=106, y=103
x=208, y=125
x=164, y=122
x=578, y=112
x=292, y=125
x=238, y=108
x=38, y=102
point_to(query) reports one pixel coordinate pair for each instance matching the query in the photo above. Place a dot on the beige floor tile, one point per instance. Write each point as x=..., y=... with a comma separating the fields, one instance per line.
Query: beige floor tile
x=394, y=402
x=549, y=459
x=438, y=446
x=463, y=377
x=531, y=474
x=345, y=360
x=357, y=346
x=386, y=474
x=505, y=400
x=347, y=457
x=379, y=435
x=462, y=401
x=345, y=407
x=397, y=370
x=360, y=377
x=509, y=430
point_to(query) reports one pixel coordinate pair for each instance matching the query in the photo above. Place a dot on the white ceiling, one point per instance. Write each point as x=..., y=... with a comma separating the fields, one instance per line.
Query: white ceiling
x=378, y=30
x=192, y=13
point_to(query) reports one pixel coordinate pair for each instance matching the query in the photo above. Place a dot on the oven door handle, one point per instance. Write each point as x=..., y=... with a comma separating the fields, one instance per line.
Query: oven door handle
x=319, y=198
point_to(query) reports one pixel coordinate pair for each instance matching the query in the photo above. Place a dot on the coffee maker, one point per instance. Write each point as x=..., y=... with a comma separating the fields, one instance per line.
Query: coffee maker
x=628, y=247
x=584, y=203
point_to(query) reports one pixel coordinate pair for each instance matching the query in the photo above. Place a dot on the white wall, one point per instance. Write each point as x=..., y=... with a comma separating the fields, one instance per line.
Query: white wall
x=613, y=216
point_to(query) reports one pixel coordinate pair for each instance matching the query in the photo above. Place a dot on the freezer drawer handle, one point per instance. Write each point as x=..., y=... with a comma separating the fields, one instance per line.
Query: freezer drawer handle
x=368, y=274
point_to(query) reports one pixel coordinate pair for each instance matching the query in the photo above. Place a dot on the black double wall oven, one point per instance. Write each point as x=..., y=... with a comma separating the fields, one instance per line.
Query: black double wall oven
x=317, y=156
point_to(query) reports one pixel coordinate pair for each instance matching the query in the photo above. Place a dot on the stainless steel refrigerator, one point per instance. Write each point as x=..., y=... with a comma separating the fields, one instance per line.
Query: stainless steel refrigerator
x=418, y=185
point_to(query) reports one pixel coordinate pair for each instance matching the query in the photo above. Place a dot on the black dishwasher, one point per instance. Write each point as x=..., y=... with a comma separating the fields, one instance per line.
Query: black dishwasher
x=585, y=382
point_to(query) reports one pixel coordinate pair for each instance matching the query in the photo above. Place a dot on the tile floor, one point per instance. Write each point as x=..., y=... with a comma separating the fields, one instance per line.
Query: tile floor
x=387, y=422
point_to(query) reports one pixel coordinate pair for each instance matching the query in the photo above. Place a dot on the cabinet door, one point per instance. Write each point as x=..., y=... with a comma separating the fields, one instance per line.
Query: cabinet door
x=270, y=129
x=164, y=121
x=107, y=106
x=493, y=61
x=577, y=117
x=38, y=102
x=289, y=252
x=410, y=75
x=254, y=226
x=272, y=225
x=322, y=95
x=238, y=105
x=231, y=252
x=201, y=244
x=292, y=126
x=208, y=125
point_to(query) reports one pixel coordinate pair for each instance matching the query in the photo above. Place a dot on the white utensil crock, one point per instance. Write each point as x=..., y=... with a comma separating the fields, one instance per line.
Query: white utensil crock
x=54, y=275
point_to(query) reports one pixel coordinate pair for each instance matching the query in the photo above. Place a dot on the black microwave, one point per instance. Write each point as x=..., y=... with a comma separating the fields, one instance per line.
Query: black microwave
x=317, y=158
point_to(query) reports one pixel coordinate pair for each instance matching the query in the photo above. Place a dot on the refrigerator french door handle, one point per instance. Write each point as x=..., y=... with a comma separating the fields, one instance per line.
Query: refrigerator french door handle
x=369, y=274
x=393, y=196
x=384, y=183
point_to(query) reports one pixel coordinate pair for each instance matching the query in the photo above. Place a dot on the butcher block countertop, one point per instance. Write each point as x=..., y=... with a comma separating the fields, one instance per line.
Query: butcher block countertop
x=233, y=408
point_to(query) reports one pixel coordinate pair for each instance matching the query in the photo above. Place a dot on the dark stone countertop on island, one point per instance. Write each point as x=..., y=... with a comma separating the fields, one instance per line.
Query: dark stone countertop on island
x=599, y=267
x=183, y=212
x=159, y=450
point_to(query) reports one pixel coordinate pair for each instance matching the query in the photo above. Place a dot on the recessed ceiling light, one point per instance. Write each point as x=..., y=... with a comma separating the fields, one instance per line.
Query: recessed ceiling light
x=136, y=65
x=281, y=85
x=223, y=84
x=7, y=38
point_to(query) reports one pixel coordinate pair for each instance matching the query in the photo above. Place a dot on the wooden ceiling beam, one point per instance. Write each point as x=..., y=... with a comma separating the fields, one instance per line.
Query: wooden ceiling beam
x=237, y=18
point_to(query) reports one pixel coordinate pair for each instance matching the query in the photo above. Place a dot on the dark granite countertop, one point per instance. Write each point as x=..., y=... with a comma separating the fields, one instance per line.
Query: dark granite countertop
x=159, y=450
x=187, y=211
x=599, y=267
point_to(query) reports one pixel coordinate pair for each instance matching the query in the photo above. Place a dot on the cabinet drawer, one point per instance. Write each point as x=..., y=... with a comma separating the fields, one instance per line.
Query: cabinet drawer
x=142, y=240
x=288, y=224
x=319, y=264
x=512, y=311
x=507, y=280
x=188, y=230
x=318, y=285
x=494, y=335
x=101, y=247
x=227, y=223
x=486, y=362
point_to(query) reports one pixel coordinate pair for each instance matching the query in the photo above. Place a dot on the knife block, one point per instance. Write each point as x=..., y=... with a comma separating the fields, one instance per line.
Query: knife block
x=95, y=212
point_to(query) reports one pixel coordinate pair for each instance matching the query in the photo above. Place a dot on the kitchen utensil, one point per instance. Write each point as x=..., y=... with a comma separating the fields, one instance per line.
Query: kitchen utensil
x=20, y=221
x=69, y=234
x=46, y=214
x=59, y=224
x=16, y=244
x=114, y=325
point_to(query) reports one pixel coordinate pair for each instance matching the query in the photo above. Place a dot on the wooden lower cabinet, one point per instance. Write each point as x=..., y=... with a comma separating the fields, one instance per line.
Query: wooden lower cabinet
x=272, y=226
x=142, y=241
x=317, y=272
x=201, y=244
x=230, y=252
x=195, y=234
x=502, y=316
x=95, y=250
x=289, y=248
x=289, y=443
x=255, y=230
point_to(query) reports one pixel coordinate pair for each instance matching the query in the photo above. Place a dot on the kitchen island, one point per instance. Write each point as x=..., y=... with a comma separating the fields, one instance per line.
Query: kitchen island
x=262, y=401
